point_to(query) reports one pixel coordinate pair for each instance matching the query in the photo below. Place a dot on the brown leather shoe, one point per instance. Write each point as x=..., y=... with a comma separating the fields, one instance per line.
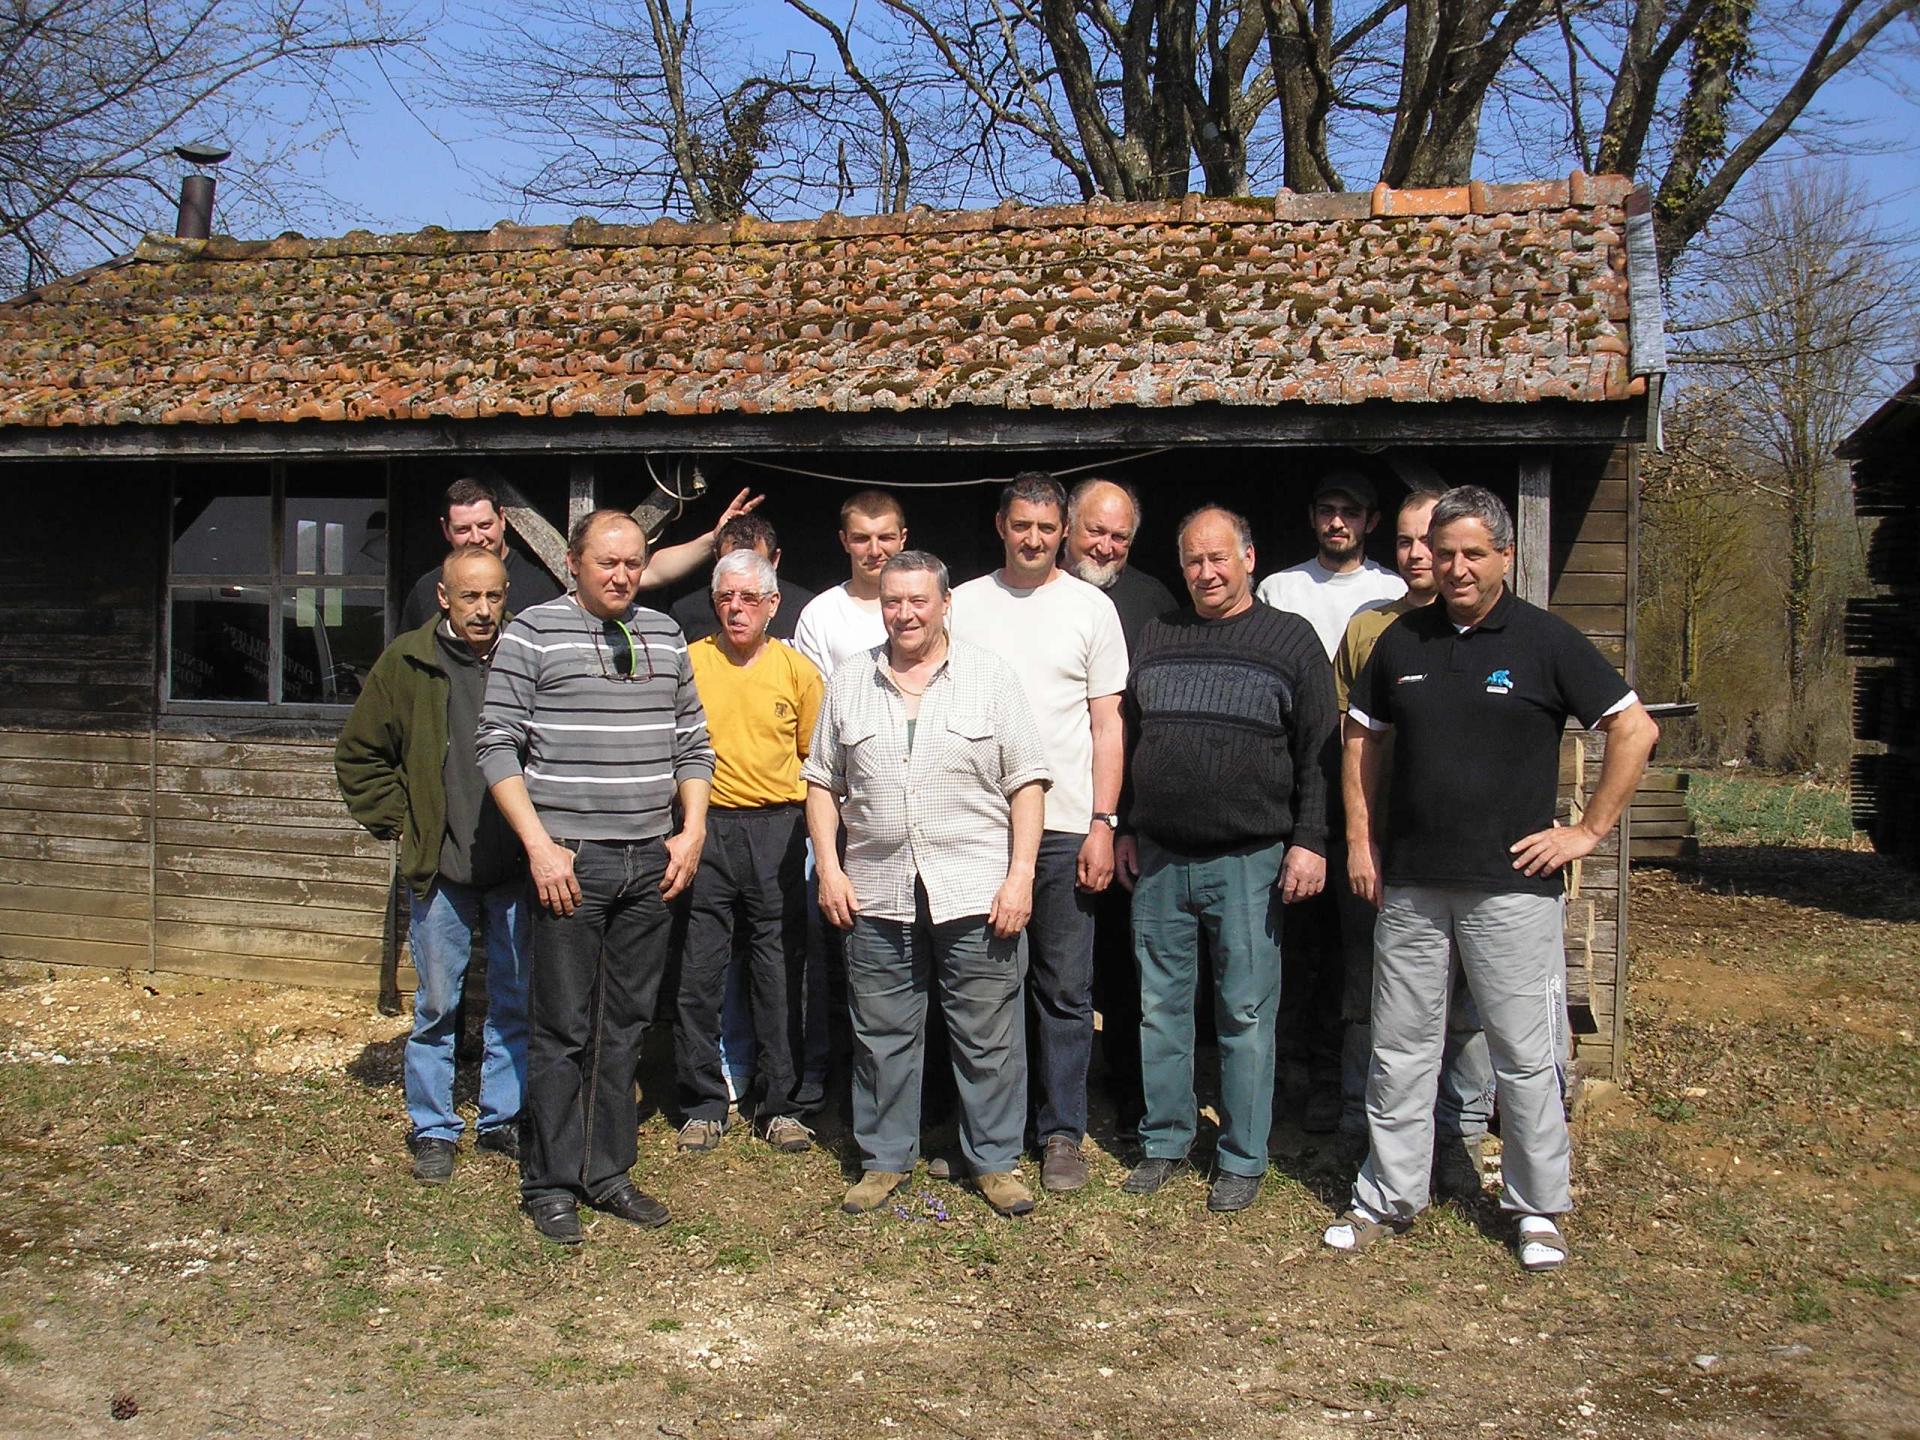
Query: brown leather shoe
x=1062, y=1166
x=1004, y=1192
x=872, y=1191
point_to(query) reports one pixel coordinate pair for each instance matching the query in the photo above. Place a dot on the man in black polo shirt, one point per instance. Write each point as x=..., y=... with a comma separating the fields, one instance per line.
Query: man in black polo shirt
x=1477, y=692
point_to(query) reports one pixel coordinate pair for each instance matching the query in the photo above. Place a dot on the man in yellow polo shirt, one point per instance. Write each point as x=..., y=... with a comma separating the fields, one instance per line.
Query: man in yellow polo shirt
x=761, y=697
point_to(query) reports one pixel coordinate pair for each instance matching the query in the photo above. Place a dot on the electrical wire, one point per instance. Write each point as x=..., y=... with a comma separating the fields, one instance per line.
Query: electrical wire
x=935, y=484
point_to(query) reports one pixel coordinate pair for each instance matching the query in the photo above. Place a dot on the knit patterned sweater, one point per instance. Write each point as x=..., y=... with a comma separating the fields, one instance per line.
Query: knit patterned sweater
x=1230, y=733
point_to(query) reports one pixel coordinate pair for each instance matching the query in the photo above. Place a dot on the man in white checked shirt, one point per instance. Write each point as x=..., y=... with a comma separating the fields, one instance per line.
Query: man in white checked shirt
x=927, y=751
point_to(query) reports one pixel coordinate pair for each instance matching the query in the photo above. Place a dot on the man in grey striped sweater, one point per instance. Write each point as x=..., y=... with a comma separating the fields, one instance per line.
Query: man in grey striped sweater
x=591, y=730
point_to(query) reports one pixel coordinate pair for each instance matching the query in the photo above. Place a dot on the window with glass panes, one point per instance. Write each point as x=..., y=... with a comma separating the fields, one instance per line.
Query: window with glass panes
x=277, y=591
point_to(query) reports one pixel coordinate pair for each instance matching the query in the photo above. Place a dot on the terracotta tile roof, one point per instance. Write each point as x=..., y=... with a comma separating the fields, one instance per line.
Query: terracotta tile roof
x=1504, y=293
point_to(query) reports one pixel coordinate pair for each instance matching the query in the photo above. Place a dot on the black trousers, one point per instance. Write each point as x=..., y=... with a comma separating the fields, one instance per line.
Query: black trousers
x=753, y=875
x=596, y=977
x=1116, y=995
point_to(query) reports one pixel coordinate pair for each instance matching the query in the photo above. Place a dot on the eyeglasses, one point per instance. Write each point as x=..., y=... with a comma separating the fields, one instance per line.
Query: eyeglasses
x=748, y=598
x=627, y=649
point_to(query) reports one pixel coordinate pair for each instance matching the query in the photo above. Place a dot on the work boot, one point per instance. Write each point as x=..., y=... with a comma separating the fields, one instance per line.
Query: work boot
x=872, y=1191
x=1004, y=1192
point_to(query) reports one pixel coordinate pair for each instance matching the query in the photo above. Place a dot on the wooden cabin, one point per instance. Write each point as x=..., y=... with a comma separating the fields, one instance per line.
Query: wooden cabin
x=1885, y=453
x=224, y=460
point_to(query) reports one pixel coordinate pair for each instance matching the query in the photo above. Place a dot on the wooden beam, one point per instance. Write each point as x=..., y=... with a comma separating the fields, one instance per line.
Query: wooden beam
x=548, y=544
x=1533, y=527
x=961, y=427
x=580, y=491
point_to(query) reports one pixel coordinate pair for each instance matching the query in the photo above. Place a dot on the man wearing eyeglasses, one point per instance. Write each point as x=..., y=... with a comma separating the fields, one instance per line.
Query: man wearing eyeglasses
x=762, y=698
x=591, y=730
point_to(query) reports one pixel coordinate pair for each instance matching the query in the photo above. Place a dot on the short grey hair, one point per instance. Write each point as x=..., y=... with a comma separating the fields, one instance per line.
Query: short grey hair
x=914, y=562
x=1475, y=502
x=1242, y=531
x=749, y=565
x=1079, y=494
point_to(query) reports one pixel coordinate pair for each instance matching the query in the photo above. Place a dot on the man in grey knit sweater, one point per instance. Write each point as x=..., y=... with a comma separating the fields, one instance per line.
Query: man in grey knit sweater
x=591, y=730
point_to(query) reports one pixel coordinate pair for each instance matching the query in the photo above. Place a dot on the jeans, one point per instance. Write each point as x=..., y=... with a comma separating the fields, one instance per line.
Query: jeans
x=1059, y=990
x=1511, y=946
x=596, y=977
x=752, y=878
x=1230, y=899
x=441, y=940
x=892, y=967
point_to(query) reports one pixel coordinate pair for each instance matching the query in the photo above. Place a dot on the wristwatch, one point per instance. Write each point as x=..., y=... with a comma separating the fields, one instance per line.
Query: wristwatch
x=1110, y=820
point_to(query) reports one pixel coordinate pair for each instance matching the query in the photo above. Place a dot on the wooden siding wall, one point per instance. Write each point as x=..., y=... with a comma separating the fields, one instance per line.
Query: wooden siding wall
x=1593, y=582
x=187, y=855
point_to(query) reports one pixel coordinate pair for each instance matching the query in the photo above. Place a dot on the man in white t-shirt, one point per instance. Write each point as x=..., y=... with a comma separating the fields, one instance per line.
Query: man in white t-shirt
x=1062, y=637
x=1339, y=581
x=1326, y=591
x=845, y=620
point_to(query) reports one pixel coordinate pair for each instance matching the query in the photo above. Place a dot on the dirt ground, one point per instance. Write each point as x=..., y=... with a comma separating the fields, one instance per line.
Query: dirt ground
x=206, y=1228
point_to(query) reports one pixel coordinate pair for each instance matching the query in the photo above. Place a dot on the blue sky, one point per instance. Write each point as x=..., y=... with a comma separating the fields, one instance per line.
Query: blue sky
x=401, y=165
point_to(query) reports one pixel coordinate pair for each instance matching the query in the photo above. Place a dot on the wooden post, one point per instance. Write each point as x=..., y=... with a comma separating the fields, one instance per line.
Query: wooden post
x=1532, y=528
x=579, y=490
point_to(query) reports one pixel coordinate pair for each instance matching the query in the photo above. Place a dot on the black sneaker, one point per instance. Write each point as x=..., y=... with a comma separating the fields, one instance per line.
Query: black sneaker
x=501, y=1140
x=1232, y=1192
x=556, y=1217
x=432, y=1160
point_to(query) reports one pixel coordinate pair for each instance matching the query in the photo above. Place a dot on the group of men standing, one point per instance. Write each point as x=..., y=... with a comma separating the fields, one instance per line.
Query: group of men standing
x=1047, y=788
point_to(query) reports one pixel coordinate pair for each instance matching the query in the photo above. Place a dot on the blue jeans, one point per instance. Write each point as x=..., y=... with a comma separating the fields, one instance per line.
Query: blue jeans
x=441, y=941
x=892, y=967
x=1059, y=990
x=1232, y=901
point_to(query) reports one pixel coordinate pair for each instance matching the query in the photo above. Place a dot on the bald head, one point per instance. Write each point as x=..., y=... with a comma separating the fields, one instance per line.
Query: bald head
x=1102, y=520
x=473, y=593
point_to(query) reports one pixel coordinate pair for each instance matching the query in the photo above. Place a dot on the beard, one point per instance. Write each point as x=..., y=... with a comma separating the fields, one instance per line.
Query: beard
x=1102, y=576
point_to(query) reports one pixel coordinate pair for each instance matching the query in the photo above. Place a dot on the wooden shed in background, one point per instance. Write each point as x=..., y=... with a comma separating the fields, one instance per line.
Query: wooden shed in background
x=223, y=460
x=1880, y=629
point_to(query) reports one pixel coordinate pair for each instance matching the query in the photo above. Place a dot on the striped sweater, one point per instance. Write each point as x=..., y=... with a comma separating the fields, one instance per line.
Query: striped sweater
x=601, y=755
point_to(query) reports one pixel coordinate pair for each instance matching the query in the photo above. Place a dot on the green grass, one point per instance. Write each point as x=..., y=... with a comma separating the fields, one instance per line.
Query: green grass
x=13, y=1350
x=1763, y=811
x=1671, y=1107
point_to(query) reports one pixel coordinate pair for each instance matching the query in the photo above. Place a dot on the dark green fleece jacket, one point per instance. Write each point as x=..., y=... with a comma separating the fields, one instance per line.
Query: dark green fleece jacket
x=390, y=756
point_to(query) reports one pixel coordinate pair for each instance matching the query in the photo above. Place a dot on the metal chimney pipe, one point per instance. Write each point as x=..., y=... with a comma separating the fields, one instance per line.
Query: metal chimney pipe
x=195, y=221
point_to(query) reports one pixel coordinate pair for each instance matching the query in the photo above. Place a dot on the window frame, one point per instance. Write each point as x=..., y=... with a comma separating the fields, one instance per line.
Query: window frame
x=277, y=589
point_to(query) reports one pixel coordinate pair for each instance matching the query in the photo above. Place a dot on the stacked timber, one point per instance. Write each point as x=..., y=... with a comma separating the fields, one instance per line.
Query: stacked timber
x=1880, y=632
x=1662, y=827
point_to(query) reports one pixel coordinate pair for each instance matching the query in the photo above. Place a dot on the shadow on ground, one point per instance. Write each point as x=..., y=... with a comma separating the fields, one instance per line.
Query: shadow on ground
x=1854, y=883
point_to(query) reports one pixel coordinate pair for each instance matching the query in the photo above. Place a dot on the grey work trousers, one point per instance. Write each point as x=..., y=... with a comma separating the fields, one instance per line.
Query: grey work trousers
x=1511, y=946
x=894, y=968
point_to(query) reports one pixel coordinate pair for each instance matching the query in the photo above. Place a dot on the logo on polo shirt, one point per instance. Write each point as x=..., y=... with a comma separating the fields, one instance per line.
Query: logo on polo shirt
x=1500, y=682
